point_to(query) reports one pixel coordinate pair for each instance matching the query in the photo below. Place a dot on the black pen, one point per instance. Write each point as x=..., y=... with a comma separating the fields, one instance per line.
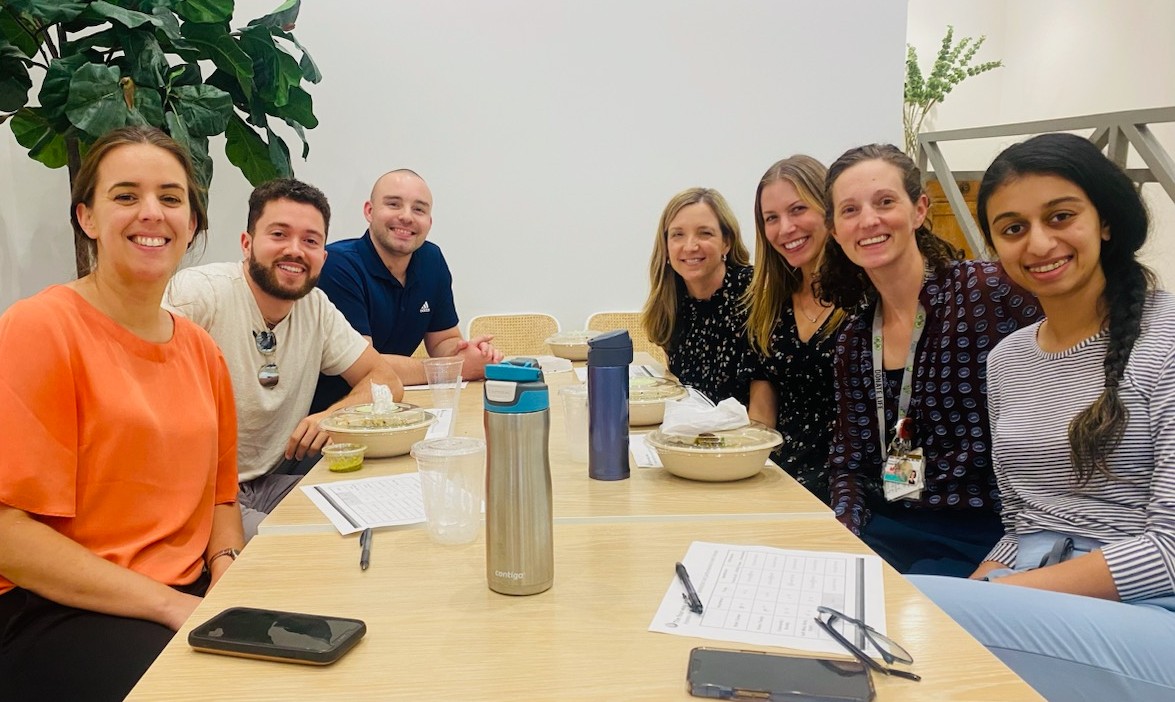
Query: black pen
x=365, y=545
x=691, y=595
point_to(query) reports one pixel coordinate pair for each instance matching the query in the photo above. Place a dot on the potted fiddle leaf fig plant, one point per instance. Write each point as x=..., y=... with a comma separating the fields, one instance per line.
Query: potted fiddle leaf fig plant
x=173, y=64
x=952, y=66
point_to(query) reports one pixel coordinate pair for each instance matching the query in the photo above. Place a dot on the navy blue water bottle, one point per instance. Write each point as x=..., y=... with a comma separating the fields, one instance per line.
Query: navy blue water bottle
x=609, y=356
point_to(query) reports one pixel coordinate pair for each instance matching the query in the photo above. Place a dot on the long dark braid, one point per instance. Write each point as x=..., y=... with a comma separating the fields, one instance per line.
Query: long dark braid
x=1098, y=429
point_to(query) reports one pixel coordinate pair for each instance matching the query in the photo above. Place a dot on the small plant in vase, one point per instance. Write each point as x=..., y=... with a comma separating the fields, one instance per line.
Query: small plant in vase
x=951, y=67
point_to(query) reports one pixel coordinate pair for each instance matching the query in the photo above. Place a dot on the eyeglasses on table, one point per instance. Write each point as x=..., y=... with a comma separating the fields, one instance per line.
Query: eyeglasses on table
x=832, y=622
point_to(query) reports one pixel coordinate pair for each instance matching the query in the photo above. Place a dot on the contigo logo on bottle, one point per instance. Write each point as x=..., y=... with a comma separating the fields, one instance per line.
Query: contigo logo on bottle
x=509, y=574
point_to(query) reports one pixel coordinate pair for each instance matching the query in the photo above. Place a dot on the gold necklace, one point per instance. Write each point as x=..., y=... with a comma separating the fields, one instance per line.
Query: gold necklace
x=822, y=311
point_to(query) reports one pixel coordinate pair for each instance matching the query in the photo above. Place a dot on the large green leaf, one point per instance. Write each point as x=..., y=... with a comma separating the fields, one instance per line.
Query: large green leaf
x=205, y=10
x=301, y=135
x=35, y=133
x=148, y=107
x=15, y=82
x=18, y=32
x=55, y=89
x=248, y=151
x=205, y=110
x=274, y=70
x=279, y=155
x=214, y=42
x=197, y=147
x=48, y=11
x=103, y=41
x=230, y=85
x=170, y=37
x=96, y=103
x=184, y=74
x=299, y=108
x=309, y=68
x=127, y=18
x=281, y=18
x=146, y=60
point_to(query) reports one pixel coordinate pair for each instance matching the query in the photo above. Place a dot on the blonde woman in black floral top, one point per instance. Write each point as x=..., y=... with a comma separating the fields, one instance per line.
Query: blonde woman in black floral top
x=699, y=271
x=791, y=332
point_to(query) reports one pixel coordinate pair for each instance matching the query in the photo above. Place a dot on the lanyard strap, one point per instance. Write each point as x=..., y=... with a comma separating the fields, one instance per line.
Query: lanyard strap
x=907, y=372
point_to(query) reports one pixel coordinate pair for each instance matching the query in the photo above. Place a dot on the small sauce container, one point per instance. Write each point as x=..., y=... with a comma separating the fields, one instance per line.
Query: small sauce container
x=343, y=458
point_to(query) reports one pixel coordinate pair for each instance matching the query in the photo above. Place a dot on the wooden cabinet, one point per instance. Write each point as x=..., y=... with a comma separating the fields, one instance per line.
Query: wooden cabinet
x=942, y=219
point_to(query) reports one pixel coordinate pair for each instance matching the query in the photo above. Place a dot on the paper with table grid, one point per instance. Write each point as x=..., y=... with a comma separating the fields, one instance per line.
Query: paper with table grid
x=354, y=505
x=768, y=596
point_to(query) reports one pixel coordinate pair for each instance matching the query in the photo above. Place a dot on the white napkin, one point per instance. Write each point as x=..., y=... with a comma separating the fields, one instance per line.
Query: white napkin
x=691, y=419
x=381, y=399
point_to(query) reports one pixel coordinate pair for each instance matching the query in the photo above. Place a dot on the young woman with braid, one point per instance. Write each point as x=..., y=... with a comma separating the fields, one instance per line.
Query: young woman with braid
x=698, y=273
x=1083, y=420
x=791, y=332
x=913, y=354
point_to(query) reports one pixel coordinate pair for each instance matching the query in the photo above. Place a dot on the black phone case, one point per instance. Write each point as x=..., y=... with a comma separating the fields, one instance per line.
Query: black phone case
x=199, y=640
x=711, y=674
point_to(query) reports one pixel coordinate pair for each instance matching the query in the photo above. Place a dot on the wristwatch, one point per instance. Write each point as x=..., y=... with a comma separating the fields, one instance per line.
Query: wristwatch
x=230, y=552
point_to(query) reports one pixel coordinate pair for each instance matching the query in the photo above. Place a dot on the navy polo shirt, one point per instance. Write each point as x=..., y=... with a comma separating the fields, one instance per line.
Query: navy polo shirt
x=395, y=316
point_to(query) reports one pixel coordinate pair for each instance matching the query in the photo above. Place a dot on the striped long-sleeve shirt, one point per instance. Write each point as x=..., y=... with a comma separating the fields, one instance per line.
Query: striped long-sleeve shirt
x=1032, y=398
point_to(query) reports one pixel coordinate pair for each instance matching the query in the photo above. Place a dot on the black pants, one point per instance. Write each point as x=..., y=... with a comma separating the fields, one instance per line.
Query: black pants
x=927, y=542
x=52, y=652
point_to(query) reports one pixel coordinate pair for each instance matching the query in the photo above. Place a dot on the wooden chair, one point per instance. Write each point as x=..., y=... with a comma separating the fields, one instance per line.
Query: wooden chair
x=516, y=334
x=607, y=321
x=420, y=352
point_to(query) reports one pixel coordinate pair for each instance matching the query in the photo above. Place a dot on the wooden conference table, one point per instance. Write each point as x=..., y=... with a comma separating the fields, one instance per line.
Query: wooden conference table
x=650, y=493
x=436, y=631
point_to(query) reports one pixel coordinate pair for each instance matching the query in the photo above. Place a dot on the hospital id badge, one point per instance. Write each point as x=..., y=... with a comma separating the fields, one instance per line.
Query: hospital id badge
x=903, y=477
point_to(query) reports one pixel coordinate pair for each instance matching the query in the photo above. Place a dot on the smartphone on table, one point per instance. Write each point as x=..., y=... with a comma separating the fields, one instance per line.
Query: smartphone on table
x=739, y=675
x=277, y=636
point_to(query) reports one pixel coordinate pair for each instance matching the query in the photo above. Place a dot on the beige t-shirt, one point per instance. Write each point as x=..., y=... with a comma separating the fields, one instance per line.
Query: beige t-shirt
x=314, y=337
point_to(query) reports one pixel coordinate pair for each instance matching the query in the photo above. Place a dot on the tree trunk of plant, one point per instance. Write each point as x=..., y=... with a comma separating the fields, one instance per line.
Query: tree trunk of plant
x=81, y=249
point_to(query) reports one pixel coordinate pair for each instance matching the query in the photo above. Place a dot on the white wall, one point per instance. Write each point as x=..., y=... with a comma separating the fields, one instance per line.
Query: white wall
x=1062, y=58
x=552, y=132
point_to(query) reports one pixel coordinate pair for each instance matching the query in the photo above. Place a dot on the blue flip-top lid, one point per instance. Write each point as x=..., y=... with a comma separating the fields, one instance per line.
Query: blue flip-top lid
x=520, y=370
x=515, y=386
x=612, y=348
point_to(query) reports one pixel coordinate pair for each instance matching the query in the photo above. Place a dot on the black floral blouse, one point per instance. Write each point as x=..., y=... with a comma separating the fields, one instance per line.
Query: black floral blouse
x=708, y=347
x=970, y=307
x=801, y=372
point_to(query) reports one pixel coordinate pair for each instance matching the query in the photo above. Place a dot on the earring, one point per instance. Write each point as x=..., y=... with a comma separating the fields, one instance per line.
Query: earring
x=724, y=258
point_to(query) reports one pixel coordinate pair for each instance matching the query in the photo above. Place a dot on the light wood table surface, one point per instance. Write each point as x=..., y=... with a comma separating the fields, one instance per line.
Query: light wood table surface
x=435, y=631
x=650, y=493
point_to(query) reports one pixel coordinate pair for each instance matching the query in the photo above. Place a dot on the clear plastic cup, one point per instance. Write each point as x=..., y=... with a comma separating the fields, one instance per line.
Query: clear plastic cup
x=575, y=420
x=452, y=480
x=444, y=380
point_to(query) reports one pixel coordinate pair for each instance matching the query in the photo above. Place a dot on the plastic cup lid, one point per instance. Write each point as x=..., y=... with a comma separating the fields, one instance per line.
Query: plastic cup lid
x=447, y=447
x=646, y=389
x=579, y=390
x=572, y=338
x=333, y=449
x=368, y=423
x=752, y=437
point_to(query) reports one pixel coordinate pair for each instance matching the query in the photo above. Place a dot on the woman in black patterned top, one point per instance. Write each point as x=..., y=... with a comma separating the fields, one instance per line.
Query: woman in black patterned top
x=698, y=274
x=791, y=332
x=916, y=351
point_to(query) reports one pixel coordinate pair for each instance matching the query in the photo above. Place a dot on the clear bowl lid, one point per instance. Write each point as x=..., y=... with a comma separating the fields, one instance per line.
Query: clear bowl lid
x=448, y=447
x=646, y=389
x=354, y=421
x=368, y=408
x=752, y=437
x=571, y=338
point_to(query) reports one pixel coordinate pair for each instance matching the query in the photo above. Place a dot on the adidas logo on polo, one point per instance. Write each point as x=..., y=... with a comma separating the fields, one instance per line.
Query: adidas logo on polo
x=424, y=307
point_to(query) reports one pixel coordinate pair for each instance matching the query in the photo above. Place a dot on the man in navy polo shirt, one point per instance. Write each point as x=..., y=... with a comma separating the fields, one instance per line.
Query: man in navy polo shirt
x=396, y=289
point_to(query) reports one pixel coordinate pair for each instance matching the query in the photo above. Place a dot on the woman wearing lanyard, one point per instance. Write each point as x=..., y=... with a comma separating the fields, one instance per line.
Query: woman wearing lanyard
x=699, y=270
x=1083, y=419
x=910, y=461
x=792, y=334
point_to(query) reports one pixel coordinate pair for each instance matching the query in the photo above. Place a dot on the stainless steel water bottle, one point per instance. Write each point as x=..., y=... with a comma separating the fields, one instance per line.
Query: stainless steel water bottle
x=609, y=356
x=520, y=549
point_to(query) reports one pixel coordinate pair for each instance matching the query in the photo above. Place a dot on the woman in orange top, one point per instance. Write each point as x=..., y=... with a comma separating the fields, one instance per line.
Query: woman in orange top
x=118, y=476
